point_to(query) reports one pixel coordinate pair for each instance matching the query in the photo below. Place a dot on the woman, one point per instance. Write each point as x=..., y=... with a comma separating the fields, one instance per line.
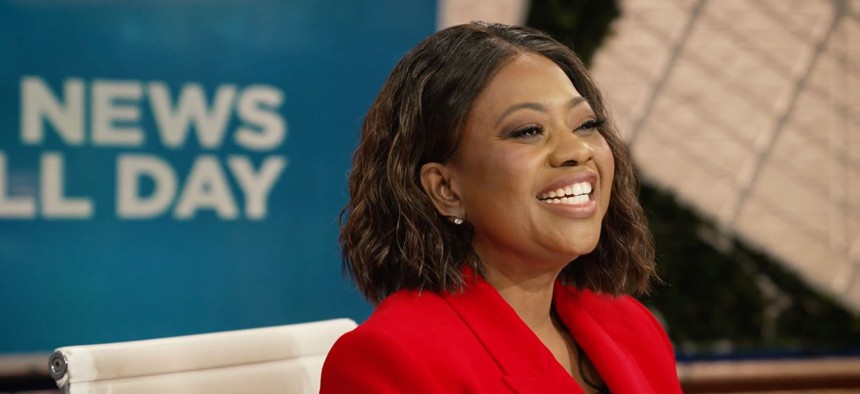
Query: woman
x=493, y=219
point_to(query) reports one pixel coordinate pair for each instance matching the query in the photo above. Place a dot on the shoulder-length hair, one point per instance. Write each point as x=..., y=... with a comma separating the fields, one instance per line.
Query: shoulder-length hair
x=392, y=236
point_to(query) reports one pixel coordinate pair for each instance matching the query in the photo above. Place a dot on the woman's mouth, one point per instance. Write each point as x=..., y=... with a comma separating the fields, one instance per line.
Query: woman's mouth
x=575, y=194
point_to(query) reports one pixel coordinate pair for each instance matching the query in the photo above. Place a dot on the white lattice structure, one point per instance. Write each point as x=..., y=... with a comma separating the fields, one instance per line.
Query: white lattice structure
x=749, y=110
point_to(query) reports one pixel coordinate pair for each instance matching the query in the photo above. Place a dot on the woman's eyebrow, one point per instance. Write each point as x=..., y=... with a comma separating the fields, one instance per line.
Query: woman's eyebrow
x=576, y=101
x=536, y=106
x=519, y=106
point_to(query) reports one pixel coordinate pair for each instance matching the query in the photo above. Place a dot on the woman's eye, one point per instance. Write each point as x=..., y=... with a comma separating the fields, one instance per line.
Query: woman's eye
x=527, y=131
x=591, y=125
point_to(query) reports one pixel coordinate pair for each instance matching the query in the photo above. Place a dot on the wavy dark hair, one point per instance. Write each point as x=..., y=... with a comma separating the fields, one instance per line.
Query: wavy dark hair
x=392, y=236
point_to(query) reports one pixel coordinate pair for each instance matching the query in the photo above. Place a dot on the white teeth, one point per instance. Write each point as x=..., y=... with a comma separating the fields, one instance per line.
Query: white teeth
x=580, y=190
x=575, y=200
x=568, y=200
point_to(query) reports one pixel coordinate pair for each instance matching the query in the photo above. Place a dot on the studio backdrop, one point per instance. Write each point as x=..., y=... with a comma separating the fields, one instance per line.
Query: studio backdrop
x=178, y=167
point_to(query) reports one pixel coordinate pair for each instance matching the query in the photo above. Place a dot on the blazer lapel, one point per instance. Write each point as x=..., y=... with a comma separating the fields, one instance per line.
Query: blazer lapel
x=614, y=364
x=528, y=366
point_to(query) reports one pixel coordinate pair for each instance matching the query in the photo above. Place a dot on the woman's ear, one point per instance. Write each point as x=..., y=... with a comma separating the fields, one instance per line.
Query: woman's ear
x=436, y=180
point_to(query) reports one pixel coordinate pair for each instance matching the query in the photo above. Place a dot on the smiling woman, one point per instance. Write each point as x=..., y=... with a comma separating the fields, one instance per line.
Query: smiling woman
x=493, y=218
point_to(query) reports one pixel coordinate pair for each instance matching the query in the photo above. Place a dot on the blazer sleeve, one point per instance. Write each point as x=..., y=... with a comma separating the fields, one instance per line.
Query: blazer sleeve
x=372, y=361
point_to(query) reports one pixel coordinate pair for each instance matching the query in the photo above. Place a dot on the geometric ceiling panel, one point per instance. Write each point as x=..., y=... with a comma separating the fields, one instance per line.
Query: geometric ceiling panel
x=749, y=110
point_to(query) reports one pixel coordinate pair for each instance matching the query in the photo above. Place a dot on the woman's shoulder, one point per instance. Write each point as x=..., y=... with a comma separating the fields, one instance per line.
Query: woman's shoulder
x=372, y=358
x=408, y=343
x=406, y=310
x=416, y=321
x=623, y=318
x=608, y=309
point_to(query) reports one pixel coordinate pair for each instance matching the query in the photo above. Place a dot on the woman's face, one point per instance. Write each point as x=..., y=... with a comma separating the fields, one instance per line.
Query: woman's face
x=532, y=173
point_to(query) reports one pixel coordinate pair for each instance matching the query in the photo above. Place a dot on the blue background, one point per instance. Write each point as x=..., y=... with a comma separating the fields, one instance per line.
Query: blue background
x=65, y=282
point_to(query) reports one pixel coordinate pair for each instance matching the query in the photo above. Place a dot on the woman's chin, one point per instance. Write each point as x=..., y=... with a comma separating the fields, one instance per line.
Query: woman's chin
x=571, y=253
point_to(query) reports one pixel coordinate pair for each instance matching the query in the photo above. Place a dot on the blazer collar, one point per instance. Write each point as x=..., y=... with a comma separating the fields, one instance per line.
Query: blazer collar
x=529, y=367
x=616, y=365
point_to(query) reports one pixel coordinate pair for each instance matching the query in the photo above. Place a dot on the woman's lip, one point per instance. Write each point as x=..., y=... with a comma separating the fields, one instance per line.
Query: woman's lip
x=583, y=176
x=577, y=211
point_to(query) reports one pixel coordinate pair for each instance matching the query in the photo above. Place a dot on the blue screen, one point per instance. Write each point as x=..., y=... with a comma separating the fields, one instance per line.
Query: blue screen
x=169, y=168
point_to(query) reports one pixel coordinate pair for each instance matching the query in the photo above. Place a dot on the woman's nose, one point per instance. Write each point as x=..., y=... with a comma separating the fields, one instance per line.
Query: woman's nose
x=570, y=149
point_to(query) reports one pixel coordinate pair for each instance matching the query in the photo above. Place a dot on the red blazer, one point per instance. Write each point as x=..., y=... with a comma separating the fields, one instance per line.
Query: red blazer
x=474, y=342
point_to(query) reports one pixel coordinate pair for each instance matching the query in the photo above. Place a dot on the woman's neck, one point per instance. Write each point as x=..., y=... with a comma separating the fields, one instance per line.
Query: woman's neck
x=529, y=294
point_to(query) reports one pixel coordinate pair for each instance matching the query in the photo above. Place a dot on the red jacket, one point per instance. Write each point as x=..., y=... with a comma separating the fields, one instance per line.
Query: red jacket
x=474, y=342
